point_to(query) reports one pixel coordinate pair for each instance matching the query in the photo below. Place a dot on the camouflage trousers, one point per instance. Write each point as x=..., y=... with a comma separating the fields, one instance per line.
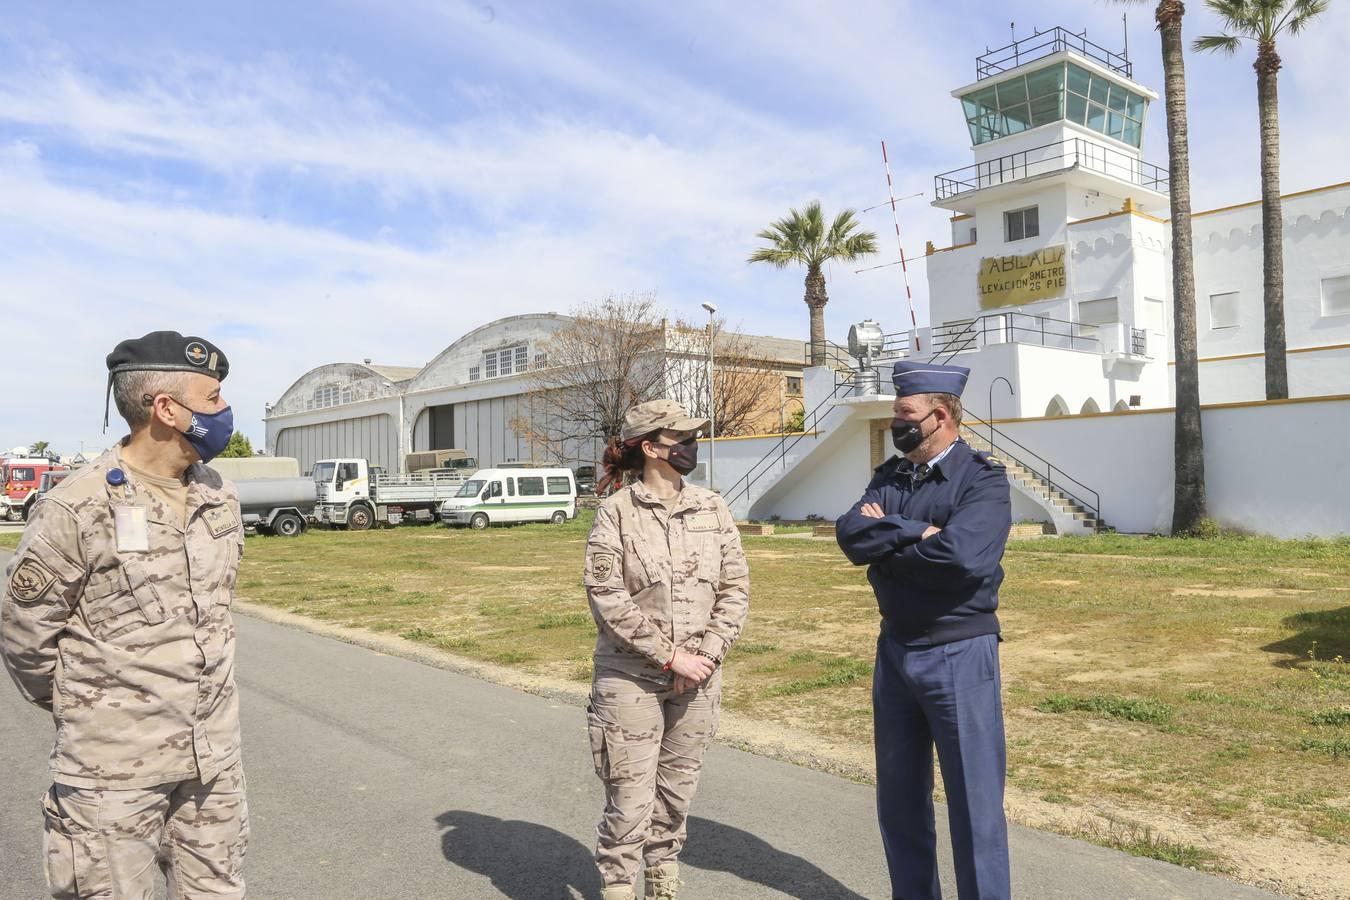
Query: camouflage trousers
x=105, y=844
x=648, y=744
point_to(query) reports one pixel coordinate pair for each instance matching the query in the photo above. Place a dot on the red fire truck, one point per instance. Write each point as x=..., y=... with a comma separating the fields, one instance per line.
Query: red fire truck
x=20, y=476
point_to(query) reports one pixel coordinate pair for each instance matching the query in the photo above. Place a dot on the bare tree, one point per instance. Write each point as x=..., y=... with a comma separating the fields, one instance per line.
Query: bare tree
x=609, y=359
x=747, y=381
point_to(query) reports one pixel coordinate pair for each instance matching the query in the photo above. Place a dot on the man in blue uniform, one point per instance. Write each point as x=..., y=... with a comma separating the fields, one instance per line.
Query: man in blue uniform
x=931, y=528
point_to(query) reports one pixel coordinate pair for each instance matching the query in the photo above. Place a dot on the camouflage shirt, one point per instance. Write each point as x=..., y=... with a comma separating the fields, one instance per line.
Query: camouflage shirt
x=131, y=651
x=660, y=579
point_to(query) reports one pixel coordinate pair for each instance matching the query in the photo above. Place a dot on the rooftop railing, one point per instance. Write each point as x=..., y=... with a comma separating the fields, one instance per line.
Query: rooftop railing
x=1071, y=153
x=1045, y=43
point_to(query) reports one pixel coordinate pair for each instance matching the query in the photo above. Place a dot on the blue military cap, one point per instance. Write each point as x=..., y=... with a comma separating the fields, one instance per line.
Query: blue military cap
x=928, y=378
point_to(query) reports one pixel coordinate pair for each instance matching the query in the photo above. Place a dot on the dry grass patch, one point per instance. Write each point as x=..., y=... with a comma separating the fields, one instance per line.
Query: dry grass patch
x=1196, y=683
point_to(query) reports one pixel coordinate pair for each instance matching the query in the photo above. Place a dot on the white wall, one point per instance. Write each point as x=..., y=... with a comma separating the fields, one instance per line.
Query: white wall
x=1127, y=459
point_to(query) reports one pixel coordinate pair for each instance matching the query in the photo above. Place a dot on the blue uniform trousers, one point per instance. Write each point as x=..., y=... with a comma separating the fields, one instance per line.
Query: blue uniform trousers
x=948, y=696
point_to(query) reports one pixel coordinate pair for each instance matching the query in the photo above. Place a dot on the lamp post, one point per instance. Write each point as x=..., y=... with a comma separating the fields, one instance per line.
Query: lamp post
x=712, y=408
x=991, y=405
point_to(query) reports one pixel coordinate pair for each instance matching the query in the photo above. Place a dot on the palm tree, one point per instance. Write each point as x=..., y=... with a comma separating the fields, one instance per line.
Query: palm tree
x=801, y=238
x=1262, y=21
x=40, y=448
x=1188, y=507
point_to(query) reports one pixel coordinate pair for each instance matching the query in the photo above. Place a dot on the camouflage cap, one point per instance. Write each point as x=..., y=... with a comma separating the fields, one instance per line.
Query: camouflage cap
x=656, y=415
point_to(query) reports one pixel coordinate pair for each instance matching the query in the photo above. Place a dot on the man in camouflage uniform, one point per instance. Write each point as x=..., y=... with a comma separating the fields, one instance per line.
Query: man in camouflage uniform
x=115, y=617
x=669, y=588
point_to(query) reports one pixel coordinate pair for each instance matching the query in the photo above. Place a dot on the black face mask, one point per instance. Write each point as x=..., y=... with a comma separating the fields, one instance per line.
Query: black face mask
x=907, y=436
x=683, y=457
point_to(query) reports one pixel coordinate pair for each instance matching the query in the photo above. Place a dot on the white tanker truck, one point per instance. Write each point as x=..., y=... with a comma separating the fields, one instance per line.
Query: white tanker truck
x=273, y=498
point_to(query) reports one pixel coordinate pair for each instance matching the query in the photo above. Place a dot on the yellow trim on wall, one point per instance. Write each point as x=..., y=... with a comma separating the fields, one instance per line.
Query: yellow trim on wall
x=962, y=217
x=767, y=434
x=1210, y=359
x=1316, y=190
x=952, y=247
x=1120, y=212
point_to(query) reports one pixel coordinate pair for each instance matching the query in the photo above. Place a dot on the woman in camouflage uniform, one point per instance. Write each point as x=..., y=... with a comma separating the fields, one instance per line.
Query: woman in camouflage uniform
x=669, y=586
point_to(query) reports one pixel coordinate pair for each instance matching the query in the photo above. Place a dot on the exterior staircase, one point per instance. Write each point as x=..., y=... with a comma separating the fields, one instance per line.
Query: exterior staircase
x=1068, y=513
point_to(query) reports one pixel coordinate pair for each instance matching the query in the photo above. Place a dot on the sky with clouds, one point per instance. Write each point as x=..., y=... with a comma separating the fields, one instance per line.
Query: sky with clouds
x=306, y=183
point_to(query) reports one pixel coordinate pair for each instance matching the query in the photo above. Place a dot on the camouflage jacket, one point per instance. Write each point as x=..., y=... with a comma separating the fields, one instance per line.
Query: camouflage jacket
x=133, y=651
x=658, y=580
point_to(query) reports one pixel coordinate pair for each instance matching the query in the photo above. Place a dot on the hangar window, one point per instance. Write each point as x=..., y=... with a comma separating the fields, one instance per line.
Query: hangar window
x=522, y=358
x=326, y=396
x=505, y=365
x=475, y=373
x=490, y=366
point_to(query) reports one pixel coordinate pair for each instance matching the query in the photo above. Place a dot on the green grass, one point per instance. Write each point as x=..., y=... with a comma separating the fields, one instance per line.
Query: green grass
x=1133, y=709
x=1197, y=680
x=10, y=539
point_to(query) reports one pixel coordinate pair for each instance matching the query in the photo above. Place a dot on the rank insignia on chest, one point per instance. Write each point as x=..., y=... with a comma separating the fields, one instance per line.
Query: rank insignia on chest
x=30, y=580
x=220, y=520
x=701, y=521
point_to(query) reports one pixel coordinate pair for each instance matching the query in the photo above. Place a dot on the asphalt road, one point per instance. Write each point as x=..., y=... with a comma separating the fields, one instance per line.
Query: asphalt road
x=373, y=776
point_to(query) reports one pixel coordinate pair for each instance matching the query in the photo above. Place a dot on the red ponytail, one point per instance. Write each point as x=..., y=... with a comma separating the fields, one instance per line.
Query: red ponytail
x=621, y=457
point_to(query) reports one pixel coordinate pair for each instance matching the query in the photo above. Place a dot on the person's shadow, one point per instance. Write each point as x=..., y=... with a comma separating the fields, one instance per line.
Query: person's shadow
x=1325, y=633
x=525, y=861
x=721, y=848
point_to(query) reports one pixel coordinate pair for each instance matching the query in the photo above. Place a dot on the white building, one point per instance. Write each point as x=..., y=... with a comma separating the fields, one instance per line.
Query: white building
x=470, y=396
x=1056, y=293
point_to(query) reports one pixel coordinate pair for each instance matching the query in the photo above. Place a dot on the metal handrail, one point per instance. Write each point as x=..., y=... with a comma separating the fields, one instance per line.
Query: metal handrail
x=949, y=341
x=1046, y=43
x=835, y=355
x=1083, y=153
x=810, y=422
x=1055, y=484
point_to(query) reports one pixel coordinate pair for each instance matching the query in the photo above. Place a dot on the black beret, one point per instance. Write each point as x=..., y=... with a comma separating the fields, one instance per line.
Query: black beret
x=169, y=351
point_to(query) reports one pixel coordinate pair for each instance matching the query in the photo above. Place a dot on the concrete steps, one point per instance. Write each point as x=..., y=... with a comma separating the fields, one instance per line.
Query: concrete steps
x=1067, y=515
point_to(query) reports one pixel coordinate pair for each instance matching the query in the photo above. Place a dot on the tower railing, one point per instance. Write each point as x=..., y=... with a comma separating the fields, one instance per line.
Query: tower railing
x=1046, y=43
x=1070, y=153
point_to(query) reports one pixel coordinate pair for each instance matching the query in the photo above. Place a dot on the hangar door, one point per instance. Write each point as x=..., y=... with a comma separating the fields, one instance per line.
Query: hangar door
x=373, y=438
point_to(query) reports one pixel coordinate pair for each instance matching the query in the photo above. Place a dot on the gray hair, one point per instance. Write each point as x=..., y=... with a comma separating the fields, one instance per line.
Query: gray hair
x=130, y=389
x=949, y=402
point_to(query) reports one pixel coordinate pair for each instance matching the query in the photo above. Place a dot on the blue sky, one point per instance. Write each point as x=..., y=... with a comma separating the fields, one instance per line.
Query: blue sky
x=320, y=182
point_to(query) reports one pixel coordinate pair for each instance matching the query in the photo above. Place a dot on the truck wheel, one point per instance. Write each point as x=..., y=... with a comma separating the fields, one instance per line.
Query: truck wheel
x=559, y=518
x=479, y=520
x=360, y=519
x=287, y=525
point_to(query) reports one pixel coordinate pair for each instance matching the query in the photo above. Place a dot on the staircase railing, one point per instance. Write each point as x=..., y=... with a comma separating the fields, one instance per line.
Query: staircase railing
x=1056, y=479
x=779, y=451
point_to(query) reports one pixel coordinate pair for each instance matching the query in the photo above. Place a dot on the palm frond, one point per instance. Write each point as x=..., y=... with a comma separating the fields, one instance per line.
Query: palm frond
x=1302, y=12
x=1217, y=43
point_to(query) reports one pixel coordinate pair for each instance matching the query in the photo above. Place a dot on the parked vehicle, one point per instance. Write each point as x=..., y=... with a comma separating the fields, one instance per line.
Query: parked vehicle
x=357, y=495
x=20, y=476
x=513, y=495
x=49, y=479
x=585, y=476
x=439, y=459
x=273, y=498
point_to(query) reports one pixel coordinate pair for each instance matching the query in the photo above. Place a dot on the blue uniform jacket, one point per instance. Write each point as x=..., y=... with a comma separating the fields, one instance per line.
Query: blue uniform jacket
x=944, y=588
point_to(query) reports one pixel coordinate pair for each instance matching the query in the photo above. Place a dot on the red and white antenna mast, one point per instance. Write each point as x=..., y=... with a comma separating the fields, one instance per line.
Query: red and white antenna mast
x=895, y=216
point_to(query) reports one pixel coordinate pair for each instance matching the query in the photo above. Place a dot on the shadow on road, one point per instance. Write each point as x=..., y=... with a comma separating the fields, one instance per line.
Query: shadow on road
x=722, y=848
x=525, y=861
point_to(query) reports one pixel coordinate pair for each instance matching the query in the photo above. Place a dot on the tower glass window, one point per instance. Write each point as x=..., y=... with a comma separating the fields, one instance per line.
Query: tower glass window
x=1062, y=91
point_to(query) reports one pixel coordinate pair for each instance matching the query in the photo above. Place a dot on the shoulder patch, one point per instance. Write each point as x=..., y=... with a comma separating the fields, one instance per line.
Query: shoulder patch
x=602, y=566
x=989, y=462
x=31, y=580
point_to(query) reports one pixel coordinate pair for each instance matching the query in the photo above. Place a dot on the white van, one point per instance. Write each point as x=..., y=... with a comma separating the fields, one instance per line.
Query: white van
x=495, y=496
